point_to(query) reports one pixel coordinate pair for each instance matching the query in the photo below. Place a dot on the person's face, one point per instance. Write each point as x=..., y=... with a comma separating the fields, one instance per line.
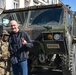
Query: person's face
x=5, y=37
x=14, y=26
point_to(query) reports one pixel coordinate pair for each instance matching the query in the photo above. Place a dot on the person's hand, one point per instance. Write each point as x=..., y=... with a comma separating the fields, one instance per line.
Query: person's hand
x=24, y=42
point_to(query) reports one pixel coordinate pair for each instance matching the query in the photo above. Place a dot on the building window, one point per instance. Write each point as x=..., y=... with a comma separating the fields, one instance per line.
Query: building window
x=1, y=3
x=15, y=4
x=48, y=1
x=26, y=3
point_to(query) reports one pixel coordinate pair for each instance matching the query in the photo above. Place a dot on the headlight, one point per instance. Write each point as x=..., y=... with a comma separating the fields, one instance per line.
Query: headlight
x=57, y=36
x=49, y=36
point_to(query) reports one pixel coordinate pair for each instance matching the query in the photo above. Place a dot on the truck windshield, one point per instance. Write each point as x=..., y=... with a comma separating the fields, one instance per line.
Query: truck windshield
x=46, y=16
x=34, y=17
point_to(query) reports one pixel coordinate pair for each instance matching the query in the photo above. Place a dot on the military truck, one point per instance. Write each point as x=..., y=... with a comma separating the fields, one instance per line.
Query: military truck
x=52, y=29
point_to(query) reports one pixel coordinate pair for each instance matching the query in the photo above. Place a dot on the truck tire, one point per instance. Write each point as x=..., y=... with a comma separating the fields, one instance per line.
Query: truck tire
x=69, y=63
x=73, y=60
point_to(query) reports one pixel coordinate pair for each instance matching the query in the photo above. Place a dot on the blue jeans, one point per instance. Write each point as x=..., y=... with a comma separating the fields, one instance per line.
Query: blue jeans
x=20, y=68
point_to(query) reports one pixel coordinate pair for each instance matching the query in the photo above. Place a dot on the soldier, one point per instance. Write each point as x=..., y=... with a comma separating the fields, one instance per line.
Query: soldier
x=4, y=54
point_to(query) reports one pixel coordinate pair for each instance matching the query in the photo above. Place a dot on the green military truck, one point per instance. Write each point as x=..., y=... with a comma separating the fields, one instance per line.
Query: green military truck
x=52, y=29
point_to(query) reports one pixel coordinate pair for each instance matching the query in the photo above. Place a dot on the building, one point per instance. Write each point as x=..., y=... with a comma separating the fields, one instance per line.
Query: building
x=13, y=4
x=43, y=2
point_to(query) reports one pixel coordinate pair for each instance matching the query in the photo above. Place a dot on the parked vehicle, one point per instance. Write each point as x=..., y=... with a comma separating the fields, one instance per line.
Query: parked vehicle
x=52, y=29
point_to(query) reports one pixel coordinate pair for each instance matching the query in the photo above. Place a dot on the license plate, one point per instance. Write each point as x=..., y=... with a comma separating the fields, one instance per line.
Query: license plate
x=53, y=46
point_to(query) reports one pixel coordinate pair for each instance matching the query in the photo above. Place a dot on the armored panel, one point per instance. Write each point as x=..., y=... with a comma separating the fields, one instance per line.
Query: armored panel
x=74, y=30
x=35, y=33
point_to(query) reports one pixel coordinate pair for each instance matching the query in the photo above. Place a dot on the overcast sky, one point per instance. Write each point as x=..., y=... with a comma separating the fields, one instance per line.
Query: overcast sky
x=72, y=3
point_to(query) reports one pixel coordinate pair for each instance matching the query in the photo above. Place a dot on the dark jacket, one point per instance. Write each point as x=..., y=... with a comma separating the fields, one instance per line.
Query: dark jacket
x=20, y=50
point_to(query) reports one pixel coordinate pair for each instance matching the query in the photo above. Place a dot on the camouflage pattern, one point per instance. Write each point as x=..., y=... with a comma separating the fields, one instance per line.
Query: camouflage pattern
x=4, y=54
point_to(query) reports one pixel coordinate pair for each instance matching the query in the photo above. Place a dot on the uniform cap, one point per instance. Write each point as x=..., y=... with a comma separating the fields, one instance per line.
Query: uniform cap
x=4, y=32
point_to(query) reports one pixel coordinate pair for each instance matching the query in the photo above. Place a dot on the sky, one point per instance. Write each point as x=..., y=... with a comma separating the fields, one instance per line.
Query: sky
x=72, y=4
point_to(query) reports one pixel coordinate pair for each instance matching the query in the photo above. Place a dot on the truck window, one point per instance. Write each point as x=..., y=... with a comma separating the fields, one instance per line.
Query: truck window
x=20, y=17
x=46, y=16
x=69, y=21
